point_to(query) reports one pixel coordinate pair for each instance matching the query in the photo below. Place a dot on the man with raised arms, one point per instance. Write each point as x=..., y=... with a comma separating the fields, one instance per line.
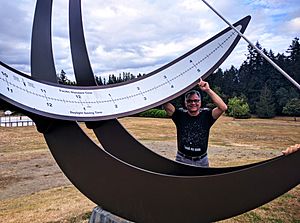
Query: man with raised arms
x=193, y=125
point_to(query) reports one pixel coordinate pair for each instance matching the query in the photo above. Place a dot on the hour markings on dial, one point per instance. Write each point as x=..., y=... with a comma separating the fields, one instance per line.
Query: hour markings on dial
x=168, y=81
x=116, y=106
x=139, y=89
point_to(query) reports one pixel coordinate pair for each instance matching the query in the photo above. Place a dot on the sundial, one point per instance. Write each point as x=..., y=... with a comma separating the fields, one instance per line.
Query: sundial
x=125, y=177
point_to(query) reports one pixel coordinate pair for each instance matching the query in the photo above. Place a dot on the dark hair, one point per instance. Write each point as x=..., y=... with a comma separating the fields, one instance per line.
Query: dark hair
x=192, y=92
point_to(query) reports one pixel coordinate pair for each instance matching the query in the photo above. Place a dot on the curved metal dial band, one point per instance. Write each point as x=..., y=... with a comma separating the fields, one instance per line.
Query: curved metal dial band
x=99, y=103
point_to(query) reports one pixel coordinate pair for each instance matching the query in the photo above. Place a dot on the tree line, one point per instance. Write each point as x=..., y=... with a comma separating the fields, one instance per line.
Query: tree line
x=258, y=85
x=110, y=79
x=255, y=88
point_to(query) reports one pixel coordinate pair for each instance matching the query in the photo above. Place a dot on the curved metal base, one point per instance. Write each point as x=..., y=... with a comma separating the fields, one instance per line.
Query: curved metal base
x=144, y=196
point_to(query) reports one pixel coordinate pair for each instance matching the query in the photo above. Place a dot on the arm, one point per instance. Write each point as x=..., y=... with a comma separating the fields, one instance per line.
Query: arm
x=169, y=108
x=217, y=100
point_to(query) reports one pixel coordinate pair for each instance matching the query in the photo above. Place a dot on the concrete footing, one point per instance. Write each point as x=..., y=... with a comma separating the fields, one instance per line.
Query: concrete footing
x=101, y=216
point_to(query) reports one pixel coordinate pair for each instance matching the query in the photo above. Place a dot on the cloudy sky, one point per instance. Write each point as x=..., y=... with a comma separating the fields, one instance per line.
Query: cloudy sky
x=140, y=35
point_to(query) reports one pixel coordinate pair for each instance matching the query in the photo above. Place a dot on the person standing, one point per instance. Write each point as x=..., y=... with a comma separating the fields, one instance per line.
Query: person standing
x=193, y=125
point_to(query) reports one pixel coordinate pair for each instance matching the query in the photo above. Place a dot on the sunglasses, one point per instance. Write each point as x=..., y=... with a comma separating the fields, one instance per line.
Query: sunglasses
x=191, y=101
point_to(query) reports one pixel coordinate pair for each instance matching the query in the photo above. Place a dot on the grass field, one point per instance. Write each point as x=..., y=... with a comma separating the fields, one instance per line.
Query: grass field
x=33, y=189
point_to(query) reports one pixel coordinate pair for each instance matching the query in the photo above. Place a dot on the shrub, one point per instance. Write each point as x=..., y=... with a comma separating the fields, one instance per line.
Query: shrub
x=154, y=113
x=292, y=108
x=238, y=108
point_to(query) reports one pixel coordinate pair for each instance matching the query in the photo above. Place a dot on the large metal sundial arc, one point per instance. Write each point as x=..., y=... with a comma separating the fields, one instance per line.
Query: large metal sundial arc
x=146, y=196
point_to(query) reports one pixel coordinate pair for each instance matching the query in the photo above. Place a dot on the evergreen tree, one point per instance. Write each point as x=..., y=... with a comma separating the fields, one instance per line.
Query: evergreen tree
x=62, y=77
x=216, y=79
x=228, y=82
x=281, y=98
x=294, y=59
x=112, y=79
x=119, y=79
x=99, y=80
x=252, y=76
x=265, y=107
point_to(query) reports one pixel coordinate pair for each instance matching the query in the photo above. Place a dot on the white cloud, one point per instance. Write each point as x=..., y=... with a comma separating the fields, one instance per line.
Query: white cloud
x=293, y=25
x=141, y=34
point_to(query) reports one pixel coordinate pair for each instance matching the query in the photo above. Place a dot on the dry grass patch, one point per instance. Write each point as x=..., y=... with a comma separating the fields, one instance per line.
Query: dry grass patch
x=20, y=139
x=150, y=129
x=257, y=133
x=24, y=155
x=54, y=205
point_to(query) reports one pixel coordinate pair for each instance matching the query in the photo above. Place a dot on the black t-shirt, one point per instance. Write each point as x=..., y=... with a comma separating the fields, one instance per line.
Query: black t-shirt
x=193, y=131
